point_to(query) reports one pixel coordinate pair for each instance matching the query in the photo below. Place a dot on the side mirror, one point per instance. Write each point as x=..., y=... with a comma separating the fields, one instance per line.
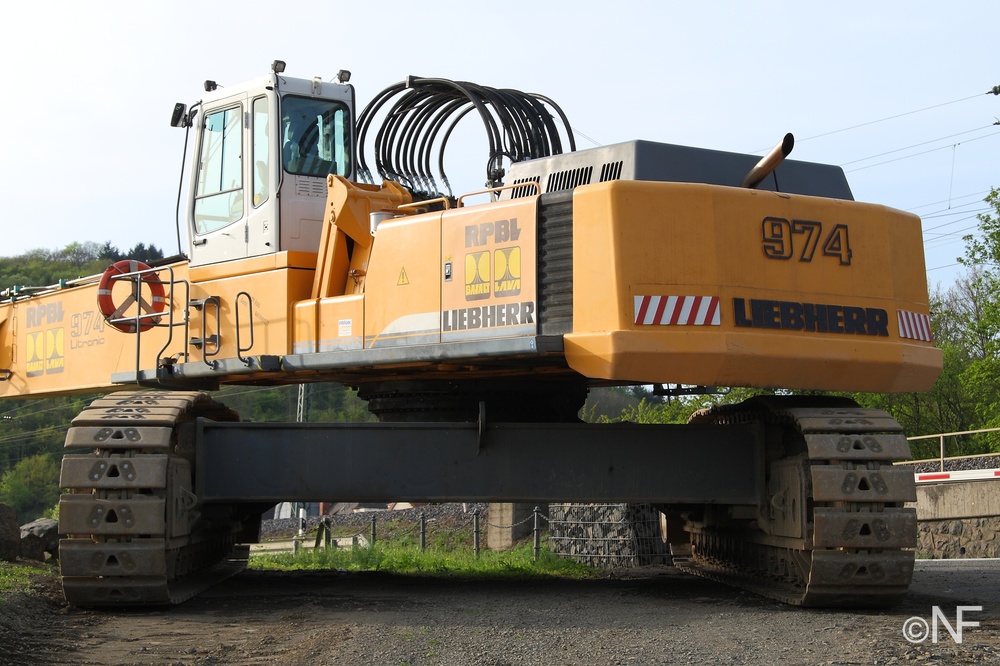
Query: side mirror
x=179, y=117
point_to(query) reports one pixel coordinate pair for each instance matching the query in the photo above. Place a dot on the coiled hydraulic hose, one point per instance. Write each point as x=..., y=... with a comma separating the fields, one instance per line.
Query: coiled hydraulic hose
x=519, y=126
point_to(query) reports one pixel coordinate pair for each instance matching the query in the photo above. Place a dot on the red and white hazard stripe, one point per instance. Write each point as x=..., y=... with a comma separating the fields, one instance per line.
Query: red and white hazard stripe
x=961, y=475
x=914, y=326
x=677, y=310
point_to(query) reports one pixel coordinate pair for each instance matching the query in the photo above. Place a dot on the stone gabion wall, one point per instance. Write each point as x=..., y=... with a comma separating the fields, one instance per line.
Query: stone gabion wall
x=607, y=535
x=954, y=539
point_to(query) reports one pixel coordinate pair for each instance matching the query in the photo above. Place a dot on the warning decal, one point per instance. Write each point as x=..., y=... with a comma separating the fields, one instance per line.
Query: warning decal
x=677, y=310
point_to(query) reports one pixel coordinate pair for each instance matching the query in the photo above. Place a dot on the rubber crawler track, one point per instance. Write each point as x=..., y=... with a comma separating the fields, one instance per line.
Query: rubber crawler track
x=852, y=542
x=136, y=534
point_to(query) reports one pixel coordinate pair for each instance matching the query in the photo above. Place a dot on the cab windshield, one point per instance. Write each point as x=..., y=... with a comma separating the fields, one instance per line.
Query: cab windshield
x=315, y=137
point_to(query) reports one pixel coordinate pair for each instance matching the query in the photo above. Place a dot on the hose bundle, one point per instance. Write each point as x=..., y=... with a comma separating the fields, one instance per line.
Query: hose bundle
x=519, y=126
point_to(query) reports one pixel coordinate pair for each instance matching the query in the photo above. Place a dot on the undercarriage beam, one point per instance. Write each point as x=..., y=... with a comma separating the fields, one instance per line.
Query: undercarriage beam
x=511, y=462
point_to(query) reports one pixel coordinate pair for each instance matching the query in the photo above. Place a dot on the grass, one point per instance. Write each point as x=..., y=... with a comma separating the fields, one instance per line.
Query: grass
x=405, y=558
x=19, y=577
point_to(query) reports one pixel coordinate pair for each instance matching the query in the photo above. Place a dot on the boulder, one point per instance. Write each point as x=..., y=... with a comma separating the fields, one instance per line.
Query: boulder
x=47, y=530
x=32, y=548
x=10, y=534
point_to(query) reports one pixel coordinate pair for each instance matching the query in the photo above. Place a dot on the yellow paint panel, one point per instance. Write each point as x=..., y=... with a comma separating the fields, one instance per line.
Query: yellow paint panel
x=60, y=342
x=305, y=326
x=271, y=293
x=342, y=323
x=403, y=314
x=490, y=255
x=681, y=283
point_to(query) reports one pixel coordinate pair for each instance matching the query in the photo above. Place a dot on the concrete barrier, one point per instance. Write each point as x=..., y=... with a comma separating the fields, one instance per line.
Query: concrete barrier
x=958, y=519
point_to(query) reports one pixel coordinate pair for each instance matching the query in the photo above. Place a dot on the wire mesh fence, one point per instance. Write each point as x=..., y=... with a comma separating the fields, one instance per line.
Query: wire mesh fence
x=601, y=535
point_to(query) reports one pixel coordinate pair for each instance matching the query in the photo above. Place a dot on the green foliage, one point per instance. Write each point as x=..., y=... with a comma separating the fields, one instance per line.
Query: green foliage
x=401, y=558
x=40, y=268
x=984, y=248
x=639, y=404
x=31, y=487
x=22, y=577
x=32, y=434
x=33, y=427
x=965, y=320
x=325, y=403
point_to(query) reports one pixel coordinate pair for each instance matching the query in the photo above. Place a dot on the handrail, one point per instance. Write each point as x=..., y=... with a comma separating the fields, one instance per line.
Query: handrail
x=240, y=349
x=497, y=190
x=941, y=458
x=415, y=205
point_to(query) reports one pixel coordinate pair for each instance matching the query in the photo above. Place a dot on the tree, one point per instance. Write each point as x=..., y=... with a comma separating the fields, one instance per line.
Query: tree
x=143, y=253
x=966, y=324
x=984, y=249
x=110, y=253
x=31, y=487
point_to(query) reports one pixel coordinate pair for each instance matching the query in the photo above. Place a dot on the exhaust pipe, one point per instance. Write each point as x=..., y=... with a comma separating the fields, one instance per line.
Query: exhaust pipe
x=769, y=162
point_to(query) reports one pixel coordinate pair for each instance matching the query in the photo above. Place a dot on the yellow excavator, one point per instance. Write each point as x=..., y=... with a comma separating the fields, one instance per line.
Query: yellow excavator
x=474, y=326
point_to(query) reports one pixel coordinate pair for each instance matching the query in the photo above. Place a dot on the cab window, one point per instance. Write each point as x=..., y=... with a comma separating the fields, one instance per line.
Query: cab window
x=315, y=137
x=261, y=152
x=219, y=196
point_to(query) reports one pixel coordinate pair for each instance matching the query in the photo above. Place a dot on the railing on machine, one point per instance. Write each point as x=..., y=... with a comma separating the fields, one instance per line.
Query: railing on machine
x=210, y=343
x=145, y=320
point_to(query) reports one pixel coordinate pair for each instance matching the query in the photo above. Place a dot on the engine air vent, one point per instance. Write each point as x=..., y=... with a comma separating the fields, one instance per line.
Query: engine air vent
x=568, y=179
x=611, y=171
x=527, y=190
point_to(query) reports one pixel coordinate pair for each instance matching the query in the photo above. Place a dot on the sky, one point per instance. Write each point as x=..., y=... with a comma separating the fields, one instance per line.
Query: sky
x=895, y=92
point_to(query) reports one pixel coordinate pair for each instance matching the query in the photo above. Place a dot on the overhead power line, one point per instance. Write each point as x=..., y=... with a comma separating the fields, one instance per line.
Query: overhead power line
x=978, y=195
x=992, y=91
x=923, y=152
x=916, y=145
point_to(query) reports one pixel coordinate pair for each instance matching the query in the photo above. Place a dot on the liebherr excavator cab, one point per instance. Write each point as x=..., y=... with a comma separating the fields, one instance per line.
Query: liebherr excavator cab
x=261, y=158
x=474, y=328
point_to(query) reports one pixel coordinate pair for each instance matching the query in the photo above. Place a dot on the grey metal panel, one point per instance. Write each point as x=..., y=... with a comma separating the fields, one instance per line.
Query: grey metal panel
x=502, y=348
x=450, y=351
x=433, y=462
x=648, y=160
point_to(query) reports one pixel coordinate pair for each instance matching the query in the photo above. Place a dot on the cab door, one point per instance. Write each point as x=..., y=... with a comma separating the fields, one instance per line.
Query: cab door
x=218, y=217
x=261, y=174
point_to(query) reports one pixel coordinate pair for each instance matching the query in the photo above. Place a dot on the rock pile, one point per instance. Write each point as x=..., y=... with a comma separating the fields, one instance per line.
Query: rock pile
x=954, y=539
x=32, y=541
x=607, y=535
x=40, y=537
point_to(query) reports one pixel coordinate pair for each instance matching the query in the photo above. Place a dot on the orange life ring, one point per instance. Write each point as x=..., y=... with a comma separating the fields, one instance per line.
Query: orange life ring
x=115, y=314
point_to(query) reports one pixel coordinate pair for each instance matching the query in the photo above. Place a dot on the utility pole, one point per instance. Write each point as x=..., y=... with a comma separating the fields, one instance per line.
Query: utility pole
x=302, y=406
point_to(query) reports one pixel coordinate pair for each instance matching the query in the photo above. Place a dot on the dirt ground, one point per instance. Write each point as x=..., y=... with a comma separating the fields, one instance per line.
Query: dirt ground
x=651, y=616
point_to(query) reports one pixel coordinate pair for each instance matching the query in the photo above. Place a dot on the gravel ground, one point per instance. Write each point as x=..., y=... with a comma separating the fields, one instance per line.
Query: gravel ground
x=654, y=615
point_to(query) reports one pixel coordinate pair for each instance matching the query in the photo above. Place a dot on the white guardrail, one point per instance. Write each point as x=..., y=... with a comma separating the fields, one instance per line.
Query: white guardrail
x=943, y=475
x=958, y=475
